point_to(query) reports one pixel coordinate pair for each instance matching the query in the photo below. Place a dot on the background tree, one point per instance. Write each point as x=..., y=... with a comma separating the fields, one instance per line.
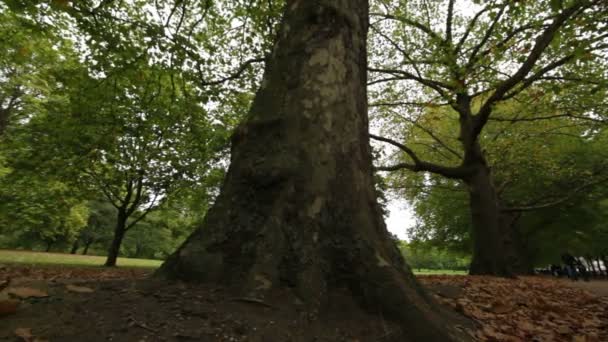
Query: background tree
x=568, y=171
x=28, y=62
x=471, y=63
x=127, y=120
x=40, y=213
x=98, y=228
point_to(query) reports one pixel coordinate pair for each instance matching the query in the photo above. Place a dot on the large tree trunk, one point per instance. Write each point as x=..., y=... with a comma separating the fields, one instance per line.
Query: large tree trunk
x=515, y=249
x=488, y=241
x=298, y=209
x=119, y=234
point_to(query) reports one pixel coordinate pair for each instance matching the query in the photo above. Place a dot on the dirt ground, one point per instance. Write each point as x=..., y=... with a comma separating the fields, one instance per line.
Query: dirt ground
x=123, y=305
x=95, y=304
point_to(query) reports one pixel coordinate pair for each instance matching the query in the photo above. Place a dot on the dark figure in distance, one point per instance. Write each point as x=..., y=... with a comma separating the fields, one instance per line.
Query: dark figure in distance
x=570, y=263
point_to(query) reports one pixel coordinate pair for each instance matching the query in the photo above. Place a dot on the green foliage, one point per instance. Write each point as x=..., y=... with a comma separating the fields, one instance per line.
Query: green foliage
x=39, y=213
x=518, y=88
x=130, y=101
x=63, y=260
x=566, y=175
x=420, y=255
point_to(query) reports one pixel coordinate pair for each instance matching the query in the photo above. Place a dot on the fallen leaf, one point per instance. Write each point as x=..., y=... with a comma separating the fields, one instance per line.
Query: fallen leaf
x=25, y=334
x=564, y=330
x=4, y=284
x=79, y=289
x=501, y=308
x=8, y=307
x=27, y=292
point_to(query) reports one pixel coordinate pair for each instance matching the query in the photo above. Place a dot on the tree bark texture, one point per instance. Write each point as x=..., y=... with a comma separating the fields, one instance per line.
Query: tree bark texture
x=487, y=227
x=298, y=208
x=119, y=234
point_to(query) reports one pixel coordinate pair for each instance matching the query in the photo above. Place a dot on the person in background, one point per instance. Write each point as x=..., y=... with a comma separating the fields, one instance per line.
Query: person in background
x=556, y=270
x=570, y=265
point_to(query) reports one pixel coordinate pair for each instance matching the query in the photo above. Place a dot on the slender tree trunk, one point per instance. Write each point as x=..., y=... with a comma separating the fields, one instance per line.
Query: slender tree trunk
x=298, y=208
x=488, y=240
x=48, y=246
x=75, y=247
x=86, y=247
x=4, y=116
x=119, y=234
x=138, y=250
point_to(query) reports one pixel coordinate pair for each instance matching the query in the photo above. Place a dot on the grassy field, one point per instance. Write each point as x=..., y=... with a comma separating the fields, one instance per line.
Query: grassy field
x=438, y=272
x=40, y=258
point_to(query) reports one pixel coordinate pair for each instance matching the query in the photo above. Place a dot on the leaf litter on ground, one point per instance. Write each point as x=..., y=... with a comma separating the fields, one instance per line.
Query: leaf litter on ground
x=523, y=309
x=526, y=308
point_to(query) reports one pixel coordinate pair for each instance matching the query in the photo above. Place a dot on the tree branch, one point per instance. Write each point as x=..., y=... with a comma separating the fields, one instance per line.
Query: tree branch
x=412, y=23
x=473, y=58
x=470, y=27
x=232, y=76
x=144, y=214
x=542, y=42
x=564, y=199
x=419, y=165
x=448, y=24
x=436, y=85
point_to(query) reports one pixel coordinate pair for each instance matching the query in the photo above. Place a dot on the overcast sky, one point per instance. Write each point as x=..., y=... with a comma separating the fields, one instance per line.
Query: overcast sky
x=400, y=218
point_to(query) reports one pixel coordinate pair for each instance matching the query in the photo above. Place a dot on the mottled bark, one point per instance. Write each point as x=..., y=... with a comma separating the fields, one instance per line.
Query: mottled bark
x=298, y=209
x=119, y=234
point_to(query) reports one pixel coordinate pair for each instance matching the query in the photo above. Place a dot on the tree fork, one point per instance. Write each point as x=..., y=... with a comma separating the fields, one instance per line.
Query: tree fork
x=298, y=208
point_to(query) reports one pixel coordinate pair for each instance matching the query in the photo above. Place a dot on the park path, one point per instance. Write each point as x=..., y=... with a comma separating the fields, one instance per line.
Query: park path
x=597, y=287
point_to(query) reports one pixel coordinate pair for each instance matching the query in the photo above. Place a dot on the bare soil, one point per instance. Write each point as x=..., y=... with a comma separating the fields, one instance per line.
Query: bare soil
x=126, y=306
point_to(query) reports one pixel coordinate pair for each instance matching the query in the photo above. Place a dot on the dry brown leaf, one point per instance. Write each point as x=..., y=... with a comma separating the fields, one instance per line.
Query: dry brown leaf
x=501, y=308
x=79, y=289
x=4, y=283
x=25, y=334
x=27, y=292
x=8, y=307
x=564, y=330
x=528, y=308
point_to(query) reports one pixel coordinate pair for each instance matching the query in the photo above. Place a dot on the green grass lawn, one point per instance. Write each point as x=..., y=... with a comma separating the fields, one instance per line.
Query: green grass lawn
x=49, y=259
x=41, y=258
x=438, y=272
